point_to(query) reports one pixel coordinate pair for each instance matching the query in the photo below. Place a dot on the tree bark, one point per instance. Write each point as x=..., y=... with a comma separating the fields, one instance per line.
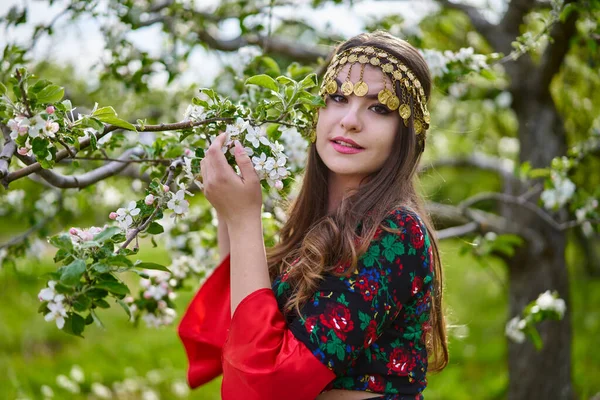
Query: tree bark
x=546, y=373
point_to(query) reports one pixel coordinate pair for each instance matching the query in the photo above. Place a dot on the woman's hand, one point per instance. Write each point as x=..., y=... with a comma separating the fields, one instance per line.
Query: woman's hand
x=233, y=196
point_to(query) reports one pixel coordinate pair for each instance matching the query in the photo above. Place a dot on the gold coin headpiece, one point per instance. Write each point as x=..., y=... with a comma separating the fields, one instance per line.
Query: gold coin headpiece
x=409, y=85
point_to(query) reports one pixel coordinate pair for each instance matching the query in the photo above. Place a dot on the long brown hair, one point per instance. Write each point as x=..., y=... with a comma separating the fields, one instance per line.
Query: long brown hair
x=318, y=242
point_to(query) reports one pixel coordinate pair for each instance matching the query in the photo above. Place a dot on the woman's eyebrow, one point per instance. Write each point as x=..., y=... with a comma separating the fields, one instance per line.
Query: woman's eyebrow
x=368, y=96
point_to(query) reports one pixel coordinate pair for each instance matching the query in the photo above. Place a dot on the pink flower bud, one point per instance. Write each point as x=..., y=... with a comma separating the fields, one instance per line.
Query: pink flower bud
x=112, y=215
x=147, y=295
x=73, y=231
x=23, y=151
x=149, y=199
x=50, y=109
x=279, y=185
x=187, y=152
x=23, y=129
x=166, y=188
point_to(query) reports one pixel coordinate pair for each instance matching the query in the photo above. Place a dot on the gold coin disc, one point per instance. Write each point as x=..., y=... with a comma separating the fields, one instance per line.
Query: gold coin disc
x=352, y=58
x=361, y=88
x=387, y=68
x=418, y=126
x=404, y=111
x=347, y=88
x=363, y=59
x=375, y=61
x=331, y=87
x=384, y=96
x=393, y=102
x=344, y=60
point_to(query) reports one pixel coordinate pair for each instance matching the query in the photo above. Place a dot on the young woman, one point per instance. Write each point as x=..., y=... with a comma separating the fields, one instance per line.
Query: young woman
x=348, y=304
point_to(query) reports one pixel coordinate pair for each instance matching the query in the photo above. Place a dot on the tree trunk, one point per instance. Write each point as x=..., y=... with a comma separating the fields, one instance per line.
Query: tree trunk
x=544, y=374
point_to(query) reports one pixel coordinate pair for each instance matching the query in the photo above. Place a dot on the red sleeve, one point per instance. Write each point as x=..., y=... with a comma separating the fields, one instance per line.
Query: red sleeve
x=204, y=326
x=262, y=359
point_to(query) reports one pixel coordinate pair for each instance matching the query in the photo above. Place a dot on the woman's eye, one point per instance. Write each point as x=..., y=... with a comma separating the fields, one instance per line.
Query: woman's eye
x=381, y=109
x=337, y=98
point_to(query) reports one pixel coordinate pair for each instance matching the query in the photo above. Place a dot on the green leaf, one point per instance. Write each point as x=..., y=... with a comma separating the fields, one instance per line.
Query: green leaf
x=155, y=228
x=62, y=241
x=101, y=268
x=125, y=307
x=263, y=80
x=101, y=303
x=67, y=104
x=71, y=274
x=309, y=82
x=51, y=94
x=284, y=80
x=149, y=265
x=107, y=234
x=109, y=115
x=119, y=260
x=74, y=324
x=82, y=303
x=2, y=89
x=113, y=287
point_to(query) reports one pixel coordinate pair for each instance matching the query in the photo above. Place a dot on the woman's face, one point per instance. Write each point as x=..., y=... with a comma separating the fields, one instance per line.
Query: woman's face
x=363, y=120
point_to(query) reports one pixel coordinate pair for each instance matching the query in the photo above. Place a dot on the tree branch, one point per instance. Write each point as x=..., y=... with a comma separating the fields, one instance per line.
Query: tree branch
x=295, y=50
x=488, y=30
x=554, y=55
x=89, y=178
x=502, y=167
x=85, y=143
x=136, y=231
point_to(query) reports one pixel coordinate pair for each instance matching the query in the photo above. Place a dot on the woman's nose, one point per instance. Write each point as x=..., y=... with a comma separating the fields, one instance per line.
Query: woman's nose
x=350, y=121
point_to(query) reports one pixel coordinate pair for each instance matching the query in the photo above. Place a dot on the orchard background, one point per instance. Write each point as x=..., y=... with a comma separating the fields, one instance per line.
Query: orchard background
x=107, y=107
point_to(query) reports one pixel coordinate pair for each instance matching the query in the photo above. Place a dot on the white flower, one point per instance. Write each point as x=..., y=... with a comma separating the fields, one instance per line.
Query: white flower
x=256, y=136
x=547, y=301
x=259, y=162
x=149, y=199
x=238, y=127
x=57, y=313
x=101, y=391
x=194, y=113
x=47, y=391
x=125, y=215
x=65, y=383
x=51, y=128
x=47, y=294
x=77, y=374
x=38, y=126
x=180, y=389
x=504, y=99
x=18, y=126
x=436, y=61
x=178, y=203
x=513, y=330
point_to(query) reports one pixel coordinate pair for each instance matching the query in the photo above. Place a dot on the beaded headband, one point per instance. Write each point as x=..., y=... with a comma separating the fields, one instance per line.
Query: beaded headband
x=396, y=71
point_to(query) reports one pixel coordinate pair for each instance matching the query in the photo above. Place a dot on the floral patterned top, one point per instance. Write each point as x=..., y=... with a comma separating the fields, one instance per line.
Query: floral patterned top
x=369, y=327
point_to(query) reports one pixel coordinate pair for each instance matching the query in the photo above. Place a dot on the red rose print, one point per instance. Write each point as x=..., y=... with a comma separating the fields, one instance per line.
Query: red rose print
x=417, y=285
x=416, y=236
x=310, y=324
x=362, y=283
x=370, y=333
x=400, y=362
x=378, y=232
x=376, y=384
x=337, y=317
x=342, y=267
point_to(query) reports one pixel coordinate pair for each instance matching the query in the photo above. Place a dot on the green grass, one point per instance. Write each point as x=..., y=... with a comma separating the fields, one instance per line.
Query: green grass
x=33, y=352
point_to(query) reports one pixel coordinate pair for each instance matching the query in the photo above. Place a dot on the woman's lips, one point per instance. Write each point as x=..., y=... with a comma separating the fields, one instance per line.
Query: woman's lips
x=345, y=149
